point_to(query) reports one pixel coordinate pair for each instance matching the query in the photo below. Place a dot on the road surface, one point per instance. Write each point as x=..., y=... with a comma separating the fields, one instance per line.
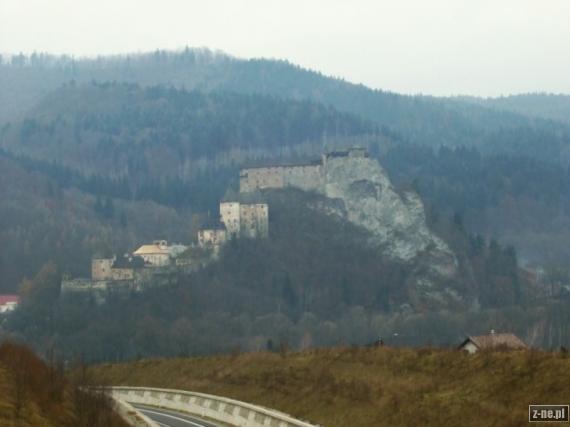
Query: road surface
x=168, y=418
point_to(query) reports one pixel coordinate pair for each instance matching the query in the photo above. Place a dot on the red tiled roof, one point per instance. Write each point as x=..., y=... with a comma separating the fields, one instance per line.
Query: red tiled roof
x=4, y=299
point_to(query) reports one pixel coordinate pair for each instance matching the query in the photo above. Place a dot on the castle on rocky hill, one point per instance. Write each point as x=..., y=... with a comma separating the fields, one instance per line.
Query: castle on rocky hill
x=157, y=264
x=306, y=176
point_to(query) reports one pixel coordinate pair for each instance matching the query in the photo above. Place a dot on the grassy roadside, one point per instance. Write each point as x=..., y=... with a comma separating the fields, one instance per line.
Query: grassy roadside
x=32, y=393
x=341, y=387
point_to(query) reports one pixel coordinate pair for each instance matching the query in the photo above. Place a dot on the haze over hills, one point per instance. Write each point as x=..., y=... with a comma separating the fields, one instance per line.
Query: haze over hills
x=544, y=105
x=518, y=169
x=105, y=154
x=419, y=119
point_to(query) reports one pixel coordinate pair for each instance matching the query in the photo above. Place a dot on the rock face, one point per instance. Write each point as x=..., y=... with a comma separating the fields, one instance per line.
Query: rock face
x=358, y=190
x=395, y=222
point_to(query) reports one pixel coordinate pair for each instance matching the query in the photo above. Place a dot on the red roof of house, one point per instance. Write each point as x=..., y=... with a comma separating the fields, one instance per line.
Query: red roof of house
x=4, y=299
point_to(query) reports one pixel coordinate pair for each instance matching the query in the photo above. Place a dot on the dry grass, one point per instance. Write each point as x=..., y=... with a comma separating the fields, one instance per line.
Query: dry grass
x=369, y=386
x=35, y=394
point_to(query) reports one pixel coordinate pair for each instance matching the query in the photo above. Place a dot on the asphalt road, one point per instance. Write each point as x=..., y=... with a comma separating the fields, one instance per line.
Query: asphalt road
x=167, y=418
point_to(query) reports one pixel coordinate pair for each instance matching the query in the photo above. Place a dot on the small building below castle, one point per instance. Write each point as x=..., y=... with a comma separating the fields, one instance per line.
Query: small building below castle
x=473, y=344
x=8, y=303
x=155, y=255
x=212, y=235
x=249, y=220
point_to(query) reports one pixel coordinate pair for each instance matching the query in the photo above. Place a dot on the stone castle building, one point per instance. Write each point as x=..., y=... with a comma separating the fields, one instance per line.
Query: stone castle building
x=116, y=268
x=237, y=220
x=153, y=264
x=306, y=176
x=157, y=254
x=212, y=235
x=101, y=268
x=150, y=265
x=245, y=220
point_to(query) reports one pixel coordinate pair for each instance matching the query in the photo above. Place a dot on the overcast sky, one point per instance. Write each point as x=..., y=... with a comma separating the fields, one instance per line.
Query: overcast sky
x=440, y=47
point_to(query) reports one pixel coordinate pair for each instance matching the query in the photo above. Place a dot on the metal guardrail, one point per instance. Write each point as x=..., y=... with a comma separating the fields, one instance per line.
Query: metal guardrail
x=217, y=408
x=132, y=416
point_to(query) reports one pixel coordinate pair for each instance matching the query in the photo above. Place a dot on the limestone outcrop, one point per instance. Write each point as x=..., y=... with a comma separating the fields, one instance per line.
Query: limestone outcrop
x=359, y=191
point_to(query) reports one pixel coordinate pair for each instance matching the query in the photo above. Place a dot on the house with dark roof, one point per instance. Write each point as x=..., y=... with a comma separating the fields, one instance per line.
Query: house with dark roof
x=473, y=344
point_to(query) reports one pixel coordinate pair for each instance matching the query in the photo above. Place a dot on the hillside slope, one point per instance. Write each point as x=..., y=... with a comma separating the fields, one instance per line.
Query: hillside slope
x=314, y=282
x=34, y=394
x=419, y=119
x=43, y=218
x=363, y=387
x=543, y=105
x=120, y=130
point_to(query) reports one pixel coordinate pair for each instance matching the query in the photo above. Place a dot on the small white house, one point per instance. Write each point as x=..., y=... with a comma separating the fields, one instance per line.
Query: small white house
x=155, y=255
x=473, y=344
x=213, y=235
x=8, y=303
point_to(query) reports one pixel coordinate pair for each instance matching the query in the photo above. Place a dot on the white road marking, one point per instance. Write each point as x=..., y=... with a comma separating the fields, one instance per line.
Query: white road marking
x=171, y=416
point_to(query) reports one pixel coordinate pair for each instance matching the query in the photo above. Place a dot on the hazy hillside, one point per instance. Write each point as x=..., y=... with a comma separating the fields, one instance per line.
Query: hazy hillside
x=123, y=130
x=369, y=386
x=314, y=282
x=543, y=105
x=43, y=219
x=102, y=167
x=419, y=119
x=520, y=200
x=33, y=393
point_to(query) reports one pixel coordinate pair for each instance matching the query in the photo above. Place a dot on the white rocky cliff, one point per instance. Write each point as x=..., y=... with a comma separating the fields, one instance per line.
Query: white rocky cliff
x=360, y=192
x=395, y=222
x=357, y=189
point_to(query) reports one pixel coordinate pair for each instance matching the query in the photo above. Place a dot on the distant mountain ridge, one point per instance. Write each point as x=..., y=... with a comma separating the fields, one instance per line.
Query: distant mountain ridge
x=120, y=129
x=542, y=105
x=418, y=119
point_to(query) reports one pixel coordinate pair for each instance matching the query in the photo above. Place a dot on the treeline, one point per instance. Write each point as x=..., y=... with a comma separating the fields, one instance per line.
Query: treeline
x=312, y=283
x=159, y=132
x=518, y=199
x=42, y=219
x=37, y=393
x=201, y=193
x=419, y=119
x=545, y=105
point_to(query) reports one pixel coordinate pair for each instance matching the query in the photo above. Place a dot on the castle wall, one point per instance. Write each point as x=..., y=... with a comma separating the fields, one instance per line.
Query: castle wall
x=156, y=260
x=122, y=274
x=252, y=179
x=254, y=220
x=101, y=268
x=230, y=216
x=211, y=237
x=308, y=176
x=305, y=177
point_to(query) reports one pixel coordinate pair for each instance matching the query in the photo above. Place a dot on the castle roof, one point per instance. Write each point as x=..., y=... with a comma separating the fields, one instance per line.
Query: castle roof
x=347, y=152
x=281, y=164
x=153, y=249
x=6, y=299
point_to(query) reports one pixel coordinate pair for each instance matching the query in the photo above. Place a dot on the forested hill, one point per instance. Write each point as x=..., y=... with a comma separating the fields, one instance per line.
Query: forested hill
x=544, y=105
x=419, y=119
x=123, y=130
x=44, y=217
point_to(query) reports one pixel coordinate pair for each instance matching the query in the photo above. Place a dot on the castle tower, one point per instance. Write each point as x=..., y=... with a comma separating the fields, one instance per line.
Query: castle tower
x=230, y=216
x=101, y=268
